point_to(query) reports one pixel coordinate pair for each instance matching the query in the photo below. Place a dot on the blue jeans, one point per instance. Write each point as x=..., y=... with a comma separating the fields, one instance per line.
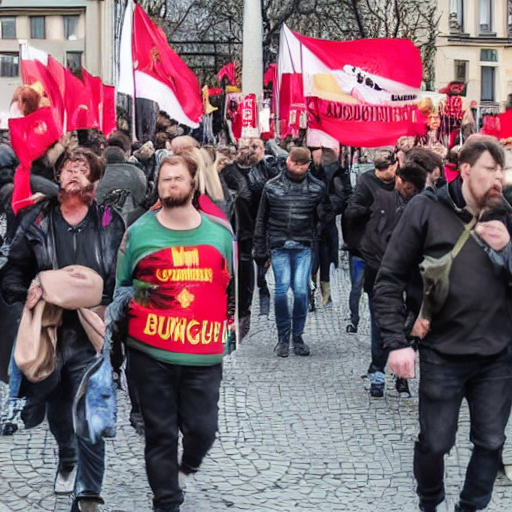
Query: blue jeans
x=356, y=265
x=15, y=377
x=291, y=269
x=486, y=384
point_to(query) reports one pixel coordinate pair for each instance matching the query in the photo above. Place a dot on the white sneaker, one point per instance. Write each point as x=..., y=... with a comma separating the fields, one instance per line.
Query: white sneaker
x=65, y=481
x=507, y=469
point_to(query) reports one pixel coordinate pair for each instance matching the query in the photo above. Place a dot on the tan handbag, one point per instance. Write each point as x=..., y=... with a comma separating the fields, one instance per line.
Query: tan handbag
x=74, y=287
x=36, y=344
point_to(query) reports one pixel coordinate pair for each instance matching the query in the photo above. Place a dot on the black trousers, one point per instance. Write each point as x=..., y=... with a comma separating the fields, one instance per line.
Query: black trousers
x=174, y=398
x=486, y=384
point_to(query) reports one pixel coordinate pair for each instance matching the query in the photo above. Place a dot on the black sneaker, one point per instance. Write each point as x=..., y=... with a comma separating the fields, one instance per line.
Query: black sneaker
x=460, y=508
x=299, y=347
x=282, y=349
x=352, y=329
x=244, y=325
x=402, y=386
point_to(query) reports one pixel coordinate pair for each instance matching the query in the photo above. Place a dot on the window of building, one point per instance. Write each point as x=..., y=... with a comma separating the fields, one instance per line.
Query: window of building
x=37, y=27
x=71, y=28
x=488, y=83
x=457, y=16
x=74, y=62
x=489, y=55
x=461, y=70
x=8, y=28
x=509, y=16
x=485, y=16
x=9, y=64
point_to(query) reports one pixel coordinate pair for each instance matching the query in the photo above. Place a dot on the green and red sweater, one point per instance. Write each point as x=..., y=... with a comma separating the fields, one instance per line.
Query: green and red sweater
x=179, y=310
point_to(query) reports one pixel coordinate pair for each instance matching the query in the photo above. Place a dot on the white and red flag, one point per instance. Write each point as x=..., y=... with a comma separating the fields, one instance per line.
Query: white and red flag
x=150, y=69
x=358, y=93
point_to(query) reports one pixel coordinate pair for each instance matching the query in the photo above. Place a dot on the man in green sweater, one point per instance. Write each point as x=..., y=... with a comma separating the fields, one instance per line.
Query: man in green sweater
x=179, y=261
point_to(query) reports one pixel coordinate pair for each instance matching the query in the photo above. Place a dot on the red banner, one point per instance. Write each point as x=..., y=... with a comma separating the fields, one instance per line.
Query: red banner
x=364, y=125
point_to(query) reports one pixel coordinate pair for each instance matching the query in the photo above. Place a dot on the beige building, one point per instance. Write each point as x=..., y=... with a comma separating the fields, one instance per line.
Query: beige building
x=475, y=46
x=75, y=32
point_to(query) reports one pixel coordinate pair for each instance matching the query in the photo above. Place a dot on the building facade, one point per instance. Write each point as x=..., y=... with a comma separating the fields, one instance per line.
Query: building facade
x=75, y=32
x=475, y=46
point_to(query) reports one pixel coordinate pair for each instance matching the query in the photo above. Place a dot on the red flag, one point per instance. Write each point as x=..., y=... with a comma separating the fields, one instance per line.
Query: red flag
x=270, y=75
x=228, y=71
x=31, y=136
x=160, y=75
x=38, y=66
x=506, y=124
x=82, y=113
x=108, y=117
x=94, y=84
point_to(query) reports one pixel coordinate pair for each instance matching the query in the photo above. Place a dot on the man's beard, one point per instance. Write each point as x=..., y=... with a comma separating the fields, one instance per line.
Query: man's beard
x=85, y=195
x=177, y=200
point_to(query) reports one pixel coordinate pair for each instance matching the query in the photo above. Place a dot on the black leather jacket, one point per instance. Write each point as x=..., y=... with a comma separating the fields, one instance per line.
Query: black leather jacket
x=288, y=211
x=33, y=248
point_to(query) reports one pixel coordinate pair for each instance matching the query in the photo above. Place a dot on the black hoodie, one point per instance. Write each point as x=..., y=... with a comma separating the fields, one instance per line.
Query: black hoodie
x=477, y=316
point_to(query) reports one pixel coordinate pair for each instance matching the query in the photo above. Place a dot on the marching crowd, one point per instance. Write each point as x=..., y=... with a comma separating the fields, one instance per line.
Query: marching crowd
x=158, y=248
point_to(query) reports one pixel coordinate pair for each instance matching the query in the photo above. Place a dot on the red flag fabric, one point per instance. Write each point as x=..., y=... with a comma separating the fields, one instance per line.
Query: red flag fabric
x=94, y=84
x=506, y=124
x=360, y=93
x=38, y=66
x=270, y=75
x=227, y=71
x=291, y=104
x=395, y=59
x=160, y=75
x=82, y=113
x=31, y=136
x=109, y=109
x=364, y=125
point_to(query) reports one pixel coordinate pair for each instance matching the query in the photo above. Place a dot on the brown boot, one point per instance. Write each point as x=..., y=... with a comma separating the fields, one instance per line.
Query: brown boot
x=325, y=286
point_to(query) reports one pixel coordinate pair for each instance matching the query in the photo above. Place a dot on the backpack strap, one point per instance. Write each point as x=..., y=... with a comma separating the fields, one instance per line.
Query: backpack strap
x=463, y=238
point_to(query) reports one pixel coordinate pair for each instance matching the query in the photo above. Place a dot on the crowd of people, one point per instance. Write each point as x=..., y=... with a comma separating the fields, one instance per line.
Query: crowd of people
x=180, y=236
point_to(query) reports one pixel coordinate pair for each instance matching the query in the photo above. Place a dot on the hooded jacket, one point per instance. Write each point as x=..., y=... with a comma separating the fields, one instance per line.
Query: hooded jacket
x=476, y=319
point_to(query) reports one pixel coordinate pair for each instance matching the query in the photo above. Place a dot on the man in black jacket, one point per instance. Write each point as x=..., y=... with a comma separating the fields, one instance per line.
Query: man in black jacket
x=386, y=210
x=286, y=224
x=71, y=229
x=466, y=351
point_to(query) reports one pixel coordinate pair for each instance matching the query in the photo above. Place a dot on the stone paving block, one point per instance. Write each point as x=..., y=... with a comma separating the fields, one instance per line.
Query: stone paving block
x=294, y=434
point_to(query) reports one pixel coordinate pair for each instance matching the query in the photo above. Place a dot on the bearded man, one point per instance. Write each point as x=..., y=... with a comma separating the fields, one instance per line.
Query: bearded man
x=179, y=262
x=71, y=229
x=465, y=339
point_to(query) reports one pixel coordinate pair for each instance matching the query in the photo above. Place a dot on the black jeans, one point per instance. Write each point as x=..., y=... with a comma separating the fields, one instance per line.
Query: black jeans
x=245, y=283
x=486, y=384
x=55, y=395
x=379, y=353
x=173, y=397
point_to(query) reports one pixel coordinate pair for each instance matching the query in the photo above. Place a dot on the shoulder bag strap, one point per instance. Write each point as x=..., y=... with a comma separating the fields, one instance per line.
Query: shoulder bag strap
x=463, y=238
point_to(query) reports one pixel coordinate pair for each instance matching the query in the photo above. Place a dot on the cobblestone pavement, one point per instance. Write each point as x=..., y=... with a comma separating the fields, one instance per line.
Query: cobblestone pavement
x=295, y=434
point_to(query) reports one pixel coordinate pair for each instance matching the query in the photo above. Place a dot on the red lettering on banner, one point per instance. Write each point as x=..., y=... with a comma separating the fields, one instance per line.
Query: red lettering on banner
x=364, y=125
